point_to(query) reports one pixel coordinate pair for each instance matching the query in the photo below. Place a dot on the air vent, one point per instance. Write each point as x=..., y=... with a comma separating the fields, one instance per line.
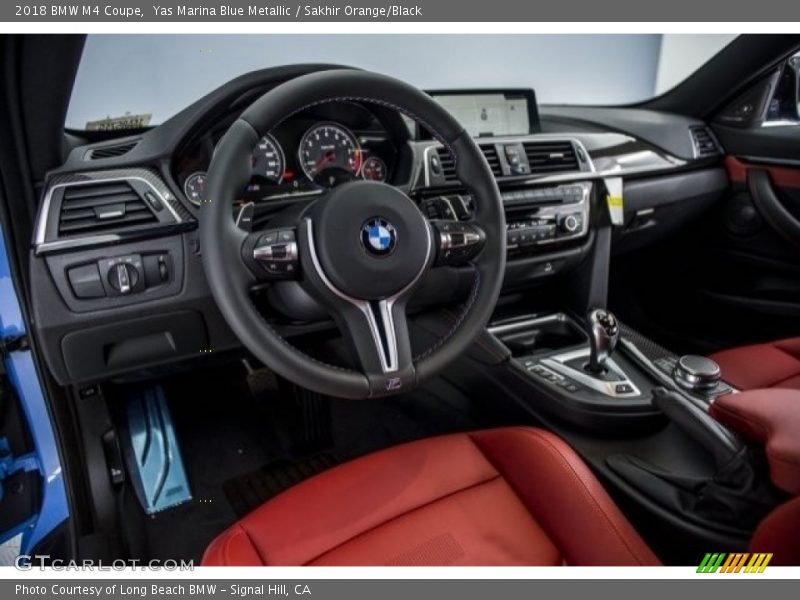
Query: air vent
x=111, y=151
x=551, y=157
x=704, y=142
x=490, y=152
x=447, y=164
x=102, y=207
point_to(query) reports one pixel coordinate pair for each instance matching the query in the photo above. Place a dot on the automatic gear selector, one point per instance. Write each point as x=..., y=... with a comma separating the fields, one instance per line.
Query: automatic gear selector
x=603, y=329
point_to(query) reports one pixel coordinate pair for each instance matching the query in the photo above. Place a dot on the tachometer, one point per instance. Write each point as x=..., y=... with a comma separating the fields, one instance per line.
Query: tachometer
x=329, y=154
x=374, y=169
x=195, y=187
x=268, y=160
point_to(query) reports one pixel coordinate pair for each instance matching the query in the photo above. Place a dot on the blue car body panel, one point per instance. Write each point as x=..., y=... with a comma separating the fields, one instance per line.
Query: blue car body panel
x=24, y=379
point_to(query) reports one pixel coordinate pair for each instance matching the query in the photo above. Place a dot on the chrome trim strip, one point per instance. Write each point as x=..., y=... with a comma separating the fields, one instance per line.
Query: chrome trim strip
x=526, y=323
x=766, y=160
x=114, y=238
x=44, y=212
x=388, y=354
x=571, y=176
x=515, y=140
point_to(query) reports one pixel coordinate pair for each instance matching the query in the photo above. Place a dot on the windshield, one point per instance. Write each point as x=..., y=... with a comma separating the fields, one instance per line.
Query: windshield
x=134, y=81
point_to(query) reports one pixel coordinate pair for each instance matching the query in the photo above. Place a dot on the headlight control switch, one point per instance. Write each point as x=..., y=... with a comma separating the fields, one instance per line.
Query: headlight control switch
x=123, y=274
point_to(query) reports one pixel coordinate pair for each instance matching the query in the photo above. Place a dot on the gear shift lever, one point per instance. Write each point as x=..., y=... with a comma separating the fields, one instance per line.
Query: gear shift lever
x=603, y=331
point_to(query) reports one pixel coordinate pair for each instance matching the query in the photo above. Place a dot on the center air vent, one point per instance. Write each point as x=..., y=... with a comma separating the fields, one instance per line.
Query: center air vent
x=551, y=156
x=704, y=142
x=490, y=152
x=102, y=207
x=111, y=151
x=448, y=166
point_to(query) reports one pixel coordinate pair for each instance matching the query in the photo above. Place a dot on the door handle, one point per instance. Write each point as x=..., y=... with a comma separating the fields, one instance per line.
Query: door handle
x=771, y=208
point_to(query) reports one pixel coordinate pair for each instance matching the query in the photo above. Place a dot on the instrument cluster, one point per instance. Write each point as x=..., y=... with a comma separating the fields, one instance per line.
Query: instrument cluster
x=303, y=155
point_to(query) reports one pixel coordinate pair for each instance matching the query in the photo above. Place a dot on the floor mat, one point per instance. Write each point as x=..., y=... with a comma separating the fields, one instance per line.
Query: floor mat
x=249, y=491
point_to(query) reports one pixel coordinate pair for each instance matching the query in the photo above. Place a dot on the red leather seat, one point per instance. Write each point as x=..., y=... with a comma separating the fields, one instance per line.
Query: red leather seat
x=517, y=496
x=774, y=364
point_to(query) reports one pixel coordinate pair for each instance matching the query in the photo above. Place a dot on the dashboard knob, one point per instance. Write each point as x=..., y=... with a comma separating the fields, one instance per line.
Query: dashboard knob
x=696, y=373
x=123, y=277
x=570, y=224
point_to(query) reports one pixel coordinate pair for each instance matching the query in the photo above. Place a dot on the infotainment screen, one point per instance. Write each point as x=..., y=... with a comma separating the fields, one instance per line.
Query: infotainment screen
x=485, y=113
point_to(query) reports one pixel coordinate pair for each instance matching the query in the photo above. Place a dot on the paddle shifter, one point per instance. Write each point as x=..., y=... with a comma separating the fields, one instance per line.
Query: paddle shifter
x=603, y=330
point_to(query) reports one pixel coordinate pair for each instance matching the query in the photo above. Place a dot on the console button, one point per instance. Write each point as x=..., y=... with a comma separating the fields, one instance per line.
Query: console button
x=154, y=201
x=85, y=282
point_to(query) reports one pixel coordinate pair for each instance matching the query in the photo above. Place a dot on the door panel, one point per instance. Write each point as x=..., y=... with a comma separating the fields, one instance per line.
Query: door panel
x=730, y=278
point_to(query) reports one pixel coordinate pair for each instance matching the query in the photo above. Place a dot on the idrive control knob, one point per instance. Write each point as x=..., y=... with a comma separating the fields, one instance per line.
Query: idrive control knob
x=696, y=373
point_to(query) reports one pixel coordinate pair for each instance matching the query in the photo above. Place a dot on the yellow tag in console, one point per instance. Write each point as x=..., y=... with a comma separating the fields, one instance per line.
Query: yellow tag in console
x=614, y=201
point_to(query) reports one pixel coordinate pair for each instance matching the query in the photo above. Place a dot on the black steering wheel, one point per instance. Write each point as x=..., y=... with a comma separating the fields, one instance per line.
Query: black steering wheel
x=361, y=249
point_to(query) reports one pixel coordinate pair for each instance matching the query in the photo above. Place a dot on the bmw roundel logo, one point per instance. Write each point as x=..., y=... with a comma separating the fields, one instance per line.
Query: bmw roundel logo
x=378, y=236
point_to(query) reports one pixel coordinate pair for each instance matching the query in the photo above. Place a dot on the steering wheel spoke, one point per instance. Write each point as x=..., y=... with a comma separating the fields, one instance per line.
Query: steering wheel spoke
x=457, y=242
x=272, y=254
x=378, y=331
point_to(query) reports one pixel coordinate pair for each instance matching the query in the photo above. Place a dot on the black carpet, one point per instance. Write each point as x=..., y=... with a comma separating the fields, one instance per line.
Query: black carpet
x=249, y=491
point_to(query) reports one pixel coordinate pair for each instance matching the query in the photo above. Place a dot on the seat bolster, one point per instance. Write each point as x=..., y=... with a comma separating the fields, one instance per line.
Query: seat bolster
x=232, y=549
x=564, y=497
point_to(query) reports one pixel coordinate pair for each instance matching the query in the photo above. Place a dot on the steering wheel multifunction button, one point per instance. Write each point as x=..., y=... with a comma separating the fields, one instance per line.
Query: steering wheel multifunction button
x=458, y=242
x=276, y=252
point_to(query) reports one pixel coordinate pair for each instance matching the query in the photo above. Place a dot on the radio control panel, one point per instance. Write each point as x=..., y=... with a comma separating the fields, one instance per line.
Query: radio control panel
x=542, y=216
x=535, y=216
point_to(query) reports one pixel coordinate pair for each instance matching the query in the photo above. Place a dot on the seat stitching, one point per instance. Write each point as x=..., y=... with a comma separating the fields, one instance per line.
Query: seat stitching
x=405, y=513
x=548, y=445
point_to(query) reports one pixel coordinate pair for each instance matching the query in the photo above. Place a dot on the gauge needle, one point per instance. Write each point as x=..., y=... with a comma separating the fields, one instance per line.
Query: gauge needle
x=326, y=158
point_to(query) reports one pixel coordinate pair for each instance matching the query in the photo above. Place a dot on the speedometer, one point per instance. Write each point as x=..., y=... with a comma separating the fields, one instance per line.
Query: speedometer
x=268, y=160
x=329, y=154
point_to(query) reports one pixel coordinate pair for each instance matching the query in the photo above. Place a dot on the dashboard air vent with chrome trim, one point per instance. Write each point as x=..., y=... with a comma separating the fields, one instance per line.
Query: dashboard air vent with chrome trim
x=111, y=151
x=447, y=165
x=551, y=156
x=102, y=206
x=703, y=141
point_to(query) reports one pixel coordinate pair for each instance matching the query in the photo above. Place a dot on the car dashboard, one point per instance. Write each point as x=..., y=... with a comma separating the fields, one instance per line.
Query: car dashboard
x=116, y=263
